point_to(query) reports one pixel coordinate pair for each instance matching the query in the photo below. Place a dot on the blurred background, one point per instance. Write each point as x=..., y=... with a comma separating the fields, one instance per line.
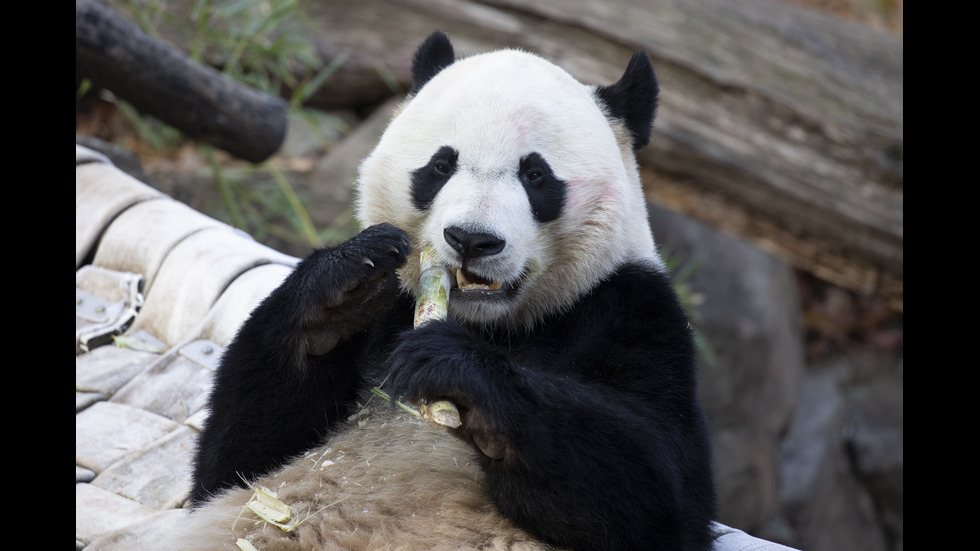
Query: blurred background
x=774, y=183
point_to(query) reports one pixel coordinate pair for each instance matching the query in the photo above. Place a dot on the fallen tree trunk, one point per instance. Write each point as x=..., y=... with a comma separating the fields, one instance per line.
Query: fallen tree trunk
x=776, y=123
x=159, y=80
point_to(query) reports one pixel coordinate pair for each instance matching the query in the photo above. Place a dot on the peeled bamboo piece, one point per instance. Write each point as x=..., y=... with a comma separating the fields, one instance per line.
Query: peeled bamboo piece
x=432, y=299
x=432, y=303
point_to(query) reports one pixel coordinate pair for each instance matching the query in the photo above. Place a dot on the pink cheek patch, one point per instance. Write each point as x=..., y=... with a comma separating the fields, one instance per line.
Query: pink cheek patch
x=592, y=194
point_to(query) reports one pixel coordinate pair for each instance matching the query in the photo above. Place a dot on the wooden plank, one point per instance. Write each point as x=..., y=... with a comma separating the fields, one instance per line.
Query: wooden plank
x=101, y=192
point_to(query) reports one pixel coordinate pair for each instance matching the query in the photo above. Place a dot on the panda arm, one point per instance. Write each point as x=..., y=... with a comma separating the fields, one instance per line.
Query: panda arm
x=589, y=430
x=293, y=369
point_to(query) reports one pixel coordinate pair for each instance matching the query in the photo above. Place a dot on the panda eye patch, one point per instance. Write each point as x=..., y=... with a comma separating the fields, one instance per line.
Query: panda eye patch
x=429, y=179
x=545, y=191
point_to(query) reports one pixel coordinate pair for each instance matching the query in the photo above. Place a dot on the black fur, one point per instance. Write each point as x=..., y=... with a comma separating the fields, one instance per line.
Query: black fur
x=296, y=366
x=433, y=55
x=621, y=98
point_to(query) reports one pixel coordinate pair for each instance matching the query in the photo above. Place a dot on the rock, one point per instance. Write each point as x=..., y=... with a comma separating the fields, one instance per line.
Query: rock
x=873, y=439
x=799, y=448
x=747, y=310
x=329, y=187
x=842, y=460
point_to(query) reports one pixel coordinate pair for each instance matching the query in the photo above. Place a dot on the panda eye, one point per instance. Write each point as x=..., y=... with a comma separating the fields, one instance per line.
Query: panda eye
x=442, y=167
x=534, y=176
x=444, y=162
x=531, y=171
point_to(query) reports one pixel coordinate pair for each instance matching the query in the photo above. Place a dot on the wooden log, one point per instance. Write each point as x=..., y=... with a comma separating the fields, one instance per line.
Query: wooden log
x=776, y=123
x=782, y=125
x=789, y=120
x=161, y=81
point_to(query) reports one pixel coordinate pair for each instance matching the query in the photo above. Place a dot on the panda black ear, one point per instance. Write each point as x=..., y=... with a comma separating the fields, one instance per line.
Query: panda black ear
x=634, y=98
x=433, y=55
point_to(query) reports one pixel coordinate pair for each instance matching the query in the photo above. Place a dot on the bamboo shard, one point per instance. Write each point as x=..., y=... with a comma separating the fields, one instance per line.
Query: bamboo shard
x=432, y=303
x=441, y=414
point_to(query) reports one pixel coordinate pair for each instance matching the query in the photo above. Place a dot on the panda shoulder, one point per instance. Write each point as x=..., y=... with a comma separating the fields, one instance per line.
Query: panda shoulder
x=640, y=284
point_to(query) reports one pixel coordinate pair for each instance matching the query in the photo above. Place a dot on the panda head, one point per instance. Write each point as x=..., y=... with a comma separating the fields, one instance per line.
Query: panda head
x=523, y=179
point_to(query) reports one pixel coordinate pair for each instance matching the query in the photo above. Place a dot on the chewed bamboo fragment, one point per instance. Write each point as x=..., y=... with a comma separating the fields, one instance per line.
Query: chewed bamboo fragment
x=432, y=303
x=266, y=504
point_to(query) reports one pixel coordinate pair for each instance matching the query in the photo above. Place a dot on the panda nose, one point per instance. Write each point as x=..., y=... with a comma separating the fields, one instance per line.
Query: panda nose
x=473, y=244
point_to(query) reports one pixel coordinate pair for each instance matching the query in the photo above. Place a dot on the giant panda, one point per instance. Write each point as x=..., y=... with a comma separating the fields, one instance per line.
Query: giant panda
x=565, y=348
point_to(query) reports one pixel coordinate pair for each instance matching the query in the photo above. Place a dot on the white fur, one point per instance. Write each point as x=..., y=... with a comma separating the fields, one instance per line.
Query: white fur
x=494, y=109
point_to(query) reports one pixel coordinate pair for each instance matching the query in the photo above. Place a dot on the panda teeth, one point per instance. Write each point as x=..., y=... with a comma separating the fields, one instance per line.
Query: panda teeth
x=465, y=284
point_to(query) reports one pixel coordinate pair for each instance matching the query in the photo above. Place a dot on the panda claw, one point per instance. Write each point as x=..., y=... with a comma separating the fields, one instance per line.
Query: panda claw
x=367, y=262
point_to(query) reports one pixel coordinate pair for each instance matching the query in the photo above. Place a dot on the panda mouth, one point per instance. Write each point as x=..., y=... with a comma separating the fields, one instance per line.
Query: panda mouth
x=468, y=282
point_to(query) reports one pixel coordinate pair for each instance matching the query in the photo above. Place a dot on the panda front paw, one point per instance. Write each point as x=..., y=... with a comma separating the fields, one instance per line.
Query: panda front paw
x=341, y=290
x=365, y=259
x=442, y=360
x=432, y=362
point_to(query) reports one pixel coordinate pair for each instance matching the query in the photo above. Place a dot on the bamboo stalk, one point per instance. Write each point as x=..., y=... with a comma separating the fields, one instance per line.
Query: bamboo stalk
x=432, y=299
x=432, y=303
